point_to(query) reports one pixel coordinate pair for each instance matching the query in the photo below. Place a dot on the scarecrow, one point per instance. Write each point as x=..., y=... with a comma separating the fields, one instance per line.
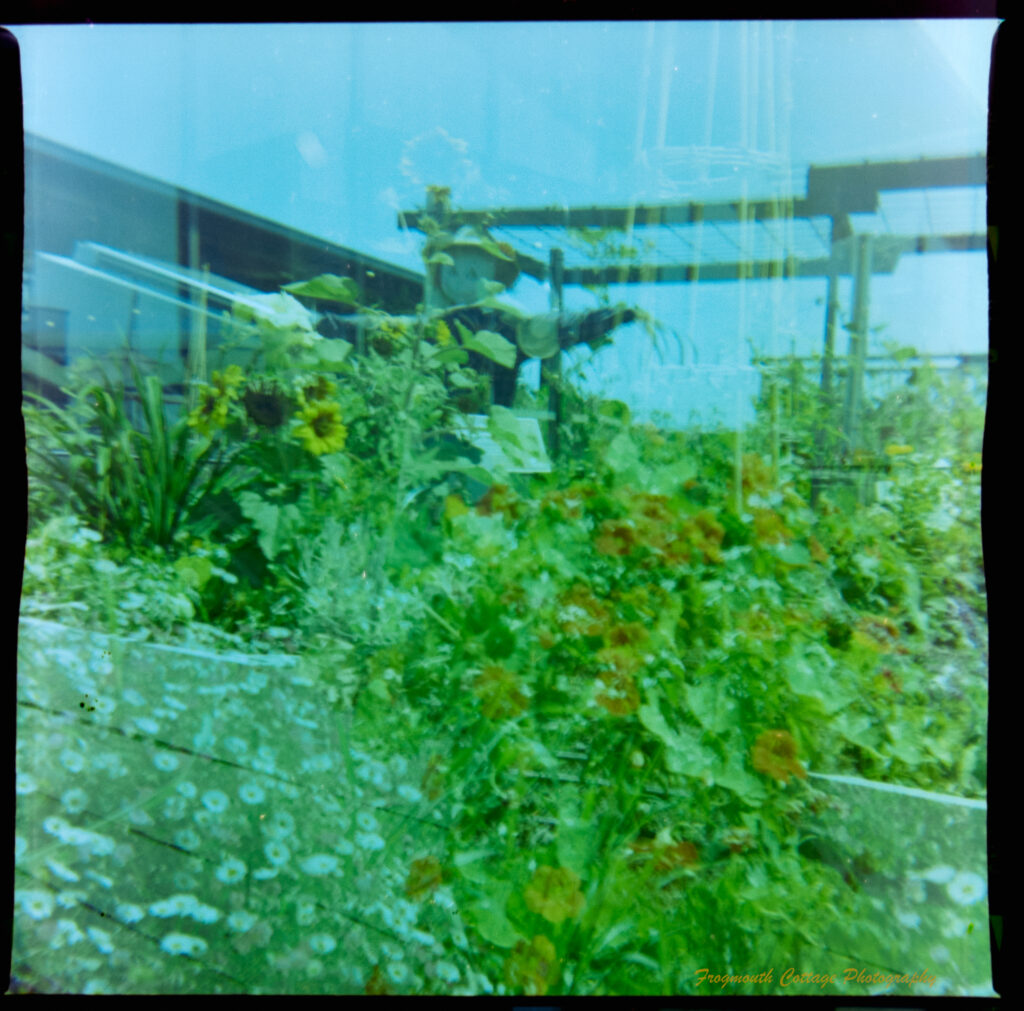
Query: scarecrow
x=468, y=274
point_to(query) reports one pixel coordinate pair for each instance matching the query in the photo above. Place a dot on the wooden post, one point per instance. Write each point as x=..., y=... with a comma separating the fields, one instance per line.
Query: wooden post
x=551, y=368
x=858, y=343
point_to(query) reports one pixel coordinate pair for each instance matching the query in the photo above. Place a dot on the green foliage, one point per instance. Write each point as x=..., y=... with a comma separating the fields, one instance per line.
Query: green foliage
x=618, y=674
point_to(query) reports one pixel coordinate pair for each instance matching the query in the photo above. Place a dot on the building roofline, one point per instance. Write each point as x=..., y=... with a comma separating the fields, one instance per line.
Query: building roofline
x=36, y=144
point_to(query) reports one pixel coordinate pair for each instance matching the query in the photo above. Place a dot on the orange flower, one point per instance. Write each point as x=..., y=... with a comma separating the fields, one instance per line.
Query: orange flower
x=877, y=633
x=376, y=984
x=769, y=527
x=501, y=694
x=620, y=696
x=499, y=498
x=424, y=877
x=630, y=634
x=818, y=553
x=757, y=475
x=583, y=613
x=774, y=754
x=432, y=783
x=664, y=854
x=531, y=967
x=554, y=893
x=615, y=538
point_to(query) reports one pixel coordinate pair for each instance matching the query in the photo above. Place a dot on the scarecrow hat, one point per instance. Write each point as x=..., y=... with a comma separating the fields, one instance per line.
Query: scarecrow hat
x=506, y=264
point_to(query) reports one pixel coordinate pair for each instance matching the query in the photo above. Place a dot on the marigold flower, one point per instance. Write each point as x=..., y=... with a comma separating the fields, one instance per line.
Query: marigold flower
x=500, y=692
x=531, y=967
x=664, y=854
x=323, y=431
x=620, y=696
x=615, y=538
x=818, y=553
x=774, y=753
x=769, y=527
x=583, y=613
x=376, y=985
x=424, y=877
x=554, y=893
x=629, y=634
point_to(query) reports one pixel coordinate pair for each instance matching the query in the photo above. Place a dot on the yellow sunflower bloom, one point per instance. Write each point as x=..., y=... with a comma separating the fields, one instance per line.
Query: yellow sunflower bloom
x=322, y=431
x=211, y=412
x=228, y=382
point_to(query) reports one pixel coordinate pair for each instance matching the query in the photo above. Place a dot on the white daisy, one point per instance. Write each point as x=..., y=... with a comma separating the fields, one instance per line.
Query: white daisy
x=215, y=801
x=205, y=914
x=409, y=793
x=182, y=944
x=147, y=725
x=966, y=888
x=231, y=871
x=72, y=760
x=129, y=913
x=938, y=875
x=369, y=841
x=165, y=761
x=366, y=821
x=67, y=933
x=279, y=825
x=62, y=871
x=69, y=899
x=187, y=789
x=277, y=853
x=322, y=944
x=24, y=784
x=37, y=903
x=446, y=972
x=264, y=873
x=73, y=801
x=240, y=921
x=101, y=939
x=320, y=864
x=251, y=793
x=187, y=839
x=398, y=972
x=55, y=826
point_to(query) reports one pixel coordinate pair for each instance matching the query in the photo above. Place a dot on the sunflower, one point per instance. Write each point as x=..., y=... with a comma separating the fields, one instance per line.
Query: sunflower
x=211, y=412
x=322, y=431
x=266, y=405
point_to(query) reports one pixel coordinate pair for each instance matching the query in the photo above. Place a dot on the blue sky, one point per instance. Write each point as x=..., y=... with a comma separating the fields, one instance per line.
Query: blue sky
x=333, y=129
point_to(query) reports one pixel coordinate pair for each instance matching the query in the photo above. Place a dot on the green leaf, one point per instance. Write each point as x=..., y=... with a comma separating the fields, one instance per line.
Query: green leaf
x=683, y=751
x=504, y=426
x=276, y=524
x=814, y=681
x=488, y=915
x=473, y=865
x=732, y=773
x=332, y=352
x=195, y=570
x=712, y=705
x=491, y=345
x=446, y=356
x=328, y=288
x=575, y=843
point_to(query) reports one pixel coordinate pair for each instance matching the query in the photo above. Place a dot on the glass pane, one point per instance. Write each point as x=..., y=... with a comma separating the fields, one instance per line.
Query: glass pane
x=504, y=509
